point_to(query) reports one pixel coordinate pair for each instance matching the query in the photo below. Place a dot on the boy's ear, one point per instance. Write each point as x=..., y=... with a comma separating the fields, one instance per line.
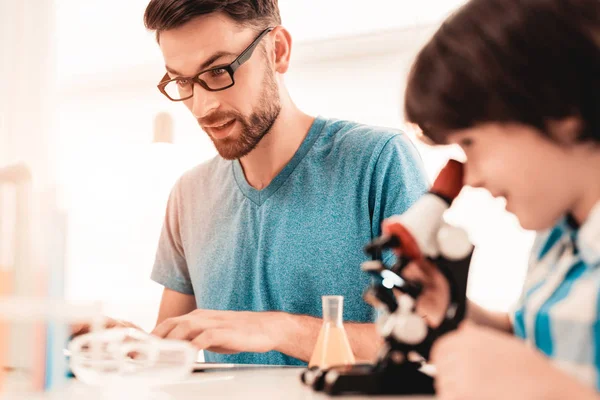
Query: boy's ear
x=566, y=130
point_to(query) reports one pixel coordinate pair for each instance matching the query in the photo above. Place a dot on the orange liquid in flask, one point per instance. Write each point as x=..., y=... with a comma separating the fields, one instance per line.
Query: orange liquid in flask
x=333, y=347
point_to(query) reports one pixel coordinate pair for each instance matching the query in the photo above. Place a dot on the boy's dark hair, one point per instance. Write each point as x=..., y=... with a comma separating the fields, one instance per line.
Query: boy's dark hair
x=523, y=61
x=162, y=15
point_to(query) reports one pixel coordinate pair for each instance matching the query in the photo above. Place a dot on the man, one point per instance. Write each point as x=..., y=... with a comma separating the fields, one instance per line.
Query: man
x=254, y=237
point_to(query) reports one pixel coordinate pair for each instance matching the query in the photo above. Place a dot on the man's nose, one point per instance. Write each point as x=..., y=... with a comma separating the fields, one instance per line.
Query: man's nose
x=204, y=102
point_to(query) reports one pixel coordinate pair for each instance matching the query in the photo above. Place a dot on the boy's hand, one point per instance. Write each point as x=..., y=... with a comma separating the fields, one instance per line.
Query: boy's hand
x=435, y=298
x=480, y=363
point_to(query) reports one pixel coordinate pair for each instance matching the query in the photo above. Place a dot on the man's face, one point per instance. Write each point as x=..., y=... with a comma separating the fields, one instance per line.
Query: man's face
x=237, y=118
x=518, y=163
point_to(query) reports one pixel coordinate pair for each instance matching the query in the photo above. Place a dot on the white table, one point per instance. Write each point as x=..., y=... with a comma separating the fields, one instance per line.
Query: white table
x=270, y=383
x=254, y=384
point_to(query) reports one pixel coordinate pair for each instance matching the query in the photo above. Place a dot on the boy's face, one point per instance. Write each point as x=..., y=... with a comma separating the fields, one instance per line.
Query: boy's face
x=237, y=118
x=516, y=162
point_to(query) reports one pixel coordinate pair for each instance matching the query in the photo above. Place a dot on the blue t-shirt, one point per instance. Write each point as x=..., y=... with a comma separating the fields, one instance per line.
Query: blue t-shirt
x=283, y=247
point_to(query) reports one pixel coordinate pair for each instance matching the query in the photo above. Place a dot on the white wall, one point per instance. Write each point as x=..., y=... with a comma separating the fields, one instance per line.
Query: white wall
x=116, y=185
x=27, y=85
x=27, y=108
x=106, y=36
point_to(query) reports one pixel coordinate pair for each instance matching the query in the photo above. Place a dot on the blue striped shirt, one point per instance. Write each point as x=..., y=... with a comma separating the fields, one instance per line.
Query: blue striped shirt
x=559, y=310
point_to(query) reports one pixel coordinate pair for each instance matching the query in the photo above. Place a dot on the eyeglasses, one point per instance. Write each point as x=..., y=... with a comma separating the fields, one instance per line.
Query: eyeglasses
x=213, y=79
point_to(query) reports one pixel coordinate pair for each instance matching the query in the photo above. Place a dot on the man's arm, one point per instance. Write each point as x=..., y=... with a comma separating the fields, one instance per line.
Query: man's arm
x=300, y=332
x=243, y=331
x=175, y=304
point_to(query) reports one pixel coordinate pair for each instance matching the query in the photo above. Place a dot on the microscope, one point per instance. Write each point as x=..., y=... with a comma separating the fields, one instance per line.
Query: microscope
x=419, y=235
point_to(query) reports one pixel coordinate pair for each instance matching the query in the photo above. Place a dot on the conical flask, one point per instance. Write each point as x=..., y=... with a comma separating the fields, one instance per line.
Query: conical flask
x=333, y=347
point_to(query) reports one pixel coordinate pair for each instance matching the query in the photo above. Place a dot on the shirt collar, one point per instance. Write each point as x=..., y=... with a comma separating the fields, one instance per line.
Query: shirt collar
x=588, y=238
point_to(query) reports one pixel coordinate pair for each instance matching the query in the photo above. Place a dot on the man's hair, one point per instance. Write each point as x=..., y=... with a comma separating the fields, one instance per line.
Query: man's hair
x=162, y=15
x=520, y=61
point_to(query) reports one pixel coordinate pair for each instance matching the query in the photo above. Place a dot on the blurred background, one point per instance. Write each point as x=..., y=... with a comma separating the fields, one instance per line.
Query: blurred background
x=79, y=104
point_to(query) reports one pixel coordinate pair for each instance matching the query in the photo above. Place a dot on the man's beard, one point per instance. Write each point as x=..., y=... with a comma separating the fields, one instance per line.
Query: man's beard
x=254, y=127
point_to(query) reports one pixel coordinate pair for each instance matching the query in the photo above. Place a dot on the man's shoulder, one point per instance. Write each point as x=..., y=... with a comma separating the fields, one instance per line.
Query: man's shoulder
x=356, y=138
x=350, y=130
x=203, y=173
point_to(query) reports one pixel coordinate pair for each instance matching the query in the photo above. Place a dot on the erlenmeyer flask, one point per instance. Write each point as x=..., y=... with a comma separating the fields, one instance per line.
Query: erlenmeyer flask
x=333, y=347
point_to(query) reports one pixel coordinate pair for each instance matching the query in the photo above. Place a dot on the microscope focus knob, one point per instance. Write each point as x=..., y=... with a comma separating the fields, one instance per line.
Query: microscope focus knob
x=453, y=242
x=410, y=329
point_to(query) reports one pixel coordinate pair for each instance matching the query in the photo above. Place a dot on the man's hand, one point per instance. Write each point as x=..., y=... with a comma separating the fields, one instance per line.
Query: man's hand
x=225, y=332
x=481, y=363
x=109, y=323
x=258, y=332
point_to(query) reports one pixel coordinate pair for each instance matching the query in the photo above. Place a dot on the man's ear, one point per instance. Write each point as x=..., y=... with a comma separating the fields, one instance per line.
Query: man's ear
x=282, y=49
x=566, y=130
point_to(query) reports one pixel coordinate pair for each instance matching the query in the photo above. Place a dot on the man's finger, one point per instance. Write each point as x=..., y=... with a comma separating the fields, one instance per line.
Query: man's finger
x=79, y=329
x=207, y=338
x=108, y=323
x=217, y=340
x=112, y=323
x=163, y=329
x=189, y=328
x=182, y=331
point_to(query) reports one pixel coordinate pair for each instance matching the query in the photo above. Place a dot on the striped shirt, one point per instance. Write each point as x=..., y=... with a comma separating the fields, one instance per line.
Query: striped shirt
x=559, y=310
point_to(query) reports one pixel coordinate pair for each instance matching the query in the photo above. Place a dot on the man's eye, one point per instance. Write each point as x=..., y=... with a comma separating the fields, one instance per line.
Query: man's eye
x=218, y=72
x=183, y=82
